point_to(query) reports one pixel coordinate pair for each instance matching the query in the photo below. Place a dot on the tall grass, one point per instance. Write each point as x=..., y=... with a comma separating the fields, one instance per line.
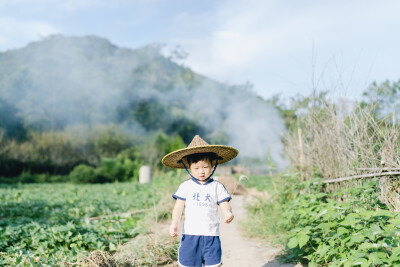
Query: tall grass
x=264, y=213
x=334, y=142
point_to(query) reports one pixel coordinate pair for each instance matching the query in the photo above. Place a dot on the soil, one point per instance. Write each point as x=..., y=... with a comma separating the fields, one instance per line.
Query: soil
x=239, y=251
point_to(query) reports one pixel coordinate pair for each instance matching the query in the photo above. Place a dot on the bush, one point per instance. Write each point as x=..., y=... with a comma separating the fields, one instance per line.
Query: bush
x=83, y=174
x=157, y=146
x=121, y=168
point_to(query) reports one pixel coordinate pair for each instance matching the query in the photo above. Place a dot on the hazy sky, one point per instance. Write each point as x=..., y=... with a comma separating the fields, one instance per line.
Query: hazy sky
x=284, y=47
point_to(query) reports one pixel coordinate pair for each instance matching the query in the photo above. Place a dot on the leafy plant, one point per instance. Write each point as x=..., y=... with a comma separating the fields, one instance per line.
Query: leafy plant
x=346, y=228
x=48, y=224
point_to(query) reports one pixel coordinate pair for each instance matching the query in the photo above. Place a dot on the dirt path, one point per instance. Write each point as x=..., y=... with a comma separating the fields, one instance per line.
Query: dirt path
x=238, y=251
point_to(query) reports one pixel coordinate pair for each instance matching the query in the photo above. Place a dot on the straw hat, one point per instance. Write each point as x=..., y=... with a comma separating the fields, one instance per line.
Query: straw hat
x=198, y=145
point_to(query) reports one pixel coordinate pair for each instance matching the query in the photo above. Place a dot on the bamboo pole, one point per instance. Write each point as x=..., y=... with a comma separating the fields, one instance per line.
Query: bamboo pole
x=378, y=169
x=370, y=175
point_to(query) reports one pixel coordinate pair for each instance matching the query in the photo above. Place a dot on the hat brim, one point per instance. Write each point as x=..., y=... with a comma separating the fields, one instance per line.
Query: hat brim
x=227, y=153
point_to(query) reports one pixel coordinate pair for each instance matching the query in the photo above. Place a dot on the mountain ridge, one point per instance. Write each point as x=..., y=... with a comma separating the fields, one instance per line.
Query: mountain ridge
x=61, y=81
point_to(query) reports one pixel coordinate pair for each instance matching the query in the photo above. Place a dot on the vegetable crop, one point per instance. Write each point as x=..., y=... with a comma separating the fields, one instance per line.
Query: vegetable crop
x=48, y=224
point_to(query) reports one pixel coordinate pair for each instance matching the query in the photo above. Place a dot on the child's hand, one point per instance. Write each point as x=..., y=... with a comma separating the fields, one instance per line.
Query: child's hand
x=173, y=229
x=228, y=217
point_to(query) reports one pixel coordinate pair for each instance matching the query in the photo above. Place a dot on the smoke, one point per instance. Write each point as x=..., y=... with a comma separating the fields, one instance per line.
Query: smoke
x=253, y=126
x=62, y=81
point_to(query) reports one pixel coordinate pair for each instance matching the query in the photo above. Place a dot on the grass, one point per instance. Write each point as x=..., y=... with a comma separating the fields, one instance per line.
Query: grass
x=260, y=182
x=264, y=215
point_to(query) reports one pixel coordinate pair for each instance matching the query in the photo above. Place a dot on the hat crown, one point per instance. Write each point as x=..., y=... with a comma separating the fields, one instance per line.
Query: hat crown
x=197, y=141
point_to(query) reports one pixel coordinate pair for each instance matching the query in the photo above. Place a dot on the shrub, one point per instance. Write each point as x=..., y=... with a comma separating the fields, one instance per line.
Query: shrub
x=83, y=174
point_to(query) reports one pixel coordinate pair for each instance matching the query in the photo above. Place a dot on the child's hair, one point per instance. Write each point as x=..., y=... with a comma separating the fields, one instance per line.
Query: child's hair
x=193, y=158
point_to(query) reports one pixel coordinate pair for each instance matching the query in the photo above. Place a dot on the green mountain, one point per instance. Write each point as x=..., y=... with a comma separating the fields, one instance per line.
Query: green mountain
x=62, y=81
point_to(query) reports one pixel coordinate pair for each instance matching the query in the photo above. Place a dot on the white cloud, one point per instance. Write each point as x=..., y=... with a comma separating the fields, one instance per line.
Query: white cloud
x=17, y=33
x=72, y=5
x=271, y=43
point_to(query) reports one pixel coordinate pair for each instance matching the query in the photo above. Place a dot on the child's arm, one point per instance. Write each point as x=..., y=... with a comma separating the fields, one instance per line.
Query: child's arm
x=227, y=210
x=176, y=216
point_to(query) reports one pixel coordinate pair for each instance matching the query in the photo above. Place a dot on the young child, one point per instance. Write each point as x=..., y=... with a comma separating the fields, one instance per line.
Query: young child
x=200, y=196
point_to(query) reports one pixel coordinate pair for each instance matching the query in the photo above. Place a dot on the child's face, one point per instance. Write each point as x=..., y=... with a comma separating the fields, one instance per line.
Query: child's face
x=201, y=169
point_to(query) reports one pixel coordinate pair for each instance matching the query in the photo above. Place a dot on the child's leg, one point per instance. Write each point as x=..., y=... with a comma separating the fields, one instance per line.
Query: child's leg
x=212, y=251
x=189, y=253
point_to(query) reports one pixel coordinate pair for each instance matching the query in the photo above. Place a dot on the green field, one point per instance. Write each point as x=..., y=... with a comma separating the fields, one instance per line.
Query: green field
x=48, y=224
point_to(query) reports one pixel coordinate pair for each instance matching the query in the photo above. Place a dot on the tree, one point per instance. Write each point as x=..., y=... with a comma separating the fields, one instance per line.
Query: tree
x=384, y=98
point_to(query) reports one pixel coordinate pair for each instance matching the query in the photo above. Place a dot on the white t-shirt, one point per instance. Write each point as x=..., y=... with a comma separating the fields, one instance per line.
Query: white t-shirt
x=201, y=205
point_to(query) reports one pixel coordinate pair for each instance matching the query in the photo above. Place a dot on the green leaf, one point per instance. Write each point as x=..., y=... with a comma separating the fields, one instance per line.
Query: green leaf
x=361, y=261
x=383, y=213
x=354, y=239
x=322, y=249
x=322, y=213
x=372, y=232
x=376, y=257
x=345, y=240
x=395, y=254
x=351, y=219
x=367, y=246
x=342, y=230
x=358, y=226
x=112, y=247
x=292, y=242
x=395, y=221
x=303, y=239
x=366, y=214
x=327, y=226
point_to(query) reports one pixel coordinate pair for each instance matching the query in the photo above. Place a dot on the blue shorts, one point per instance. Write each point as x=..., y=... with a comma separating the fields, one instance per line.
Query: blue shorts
x=196, y=250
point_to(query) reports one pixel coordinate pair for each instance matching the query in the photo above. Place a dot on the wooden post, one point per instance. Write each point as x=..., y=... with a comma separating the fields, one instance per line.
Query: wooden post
x=394, y=119
x=301, y=153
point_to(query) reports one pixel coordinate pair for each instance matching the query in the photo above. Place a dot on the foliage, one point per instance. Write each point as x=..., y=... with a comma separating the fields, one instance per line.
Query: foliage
x=59, y=152
x=265, y=214
x=260, y=182
x=346, y=228
x=297, y=106
x=383, y=98
x=10, y=123
x=27, y=177
x=49, y=224
x=157, y=146
x=83, y=174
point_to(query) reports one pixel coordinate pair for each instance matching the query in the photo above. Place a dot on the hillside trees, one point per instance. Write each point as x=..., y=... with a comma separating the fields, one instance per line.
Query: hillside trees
x=10, y=123
x=383, y=98
x=66, y=101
